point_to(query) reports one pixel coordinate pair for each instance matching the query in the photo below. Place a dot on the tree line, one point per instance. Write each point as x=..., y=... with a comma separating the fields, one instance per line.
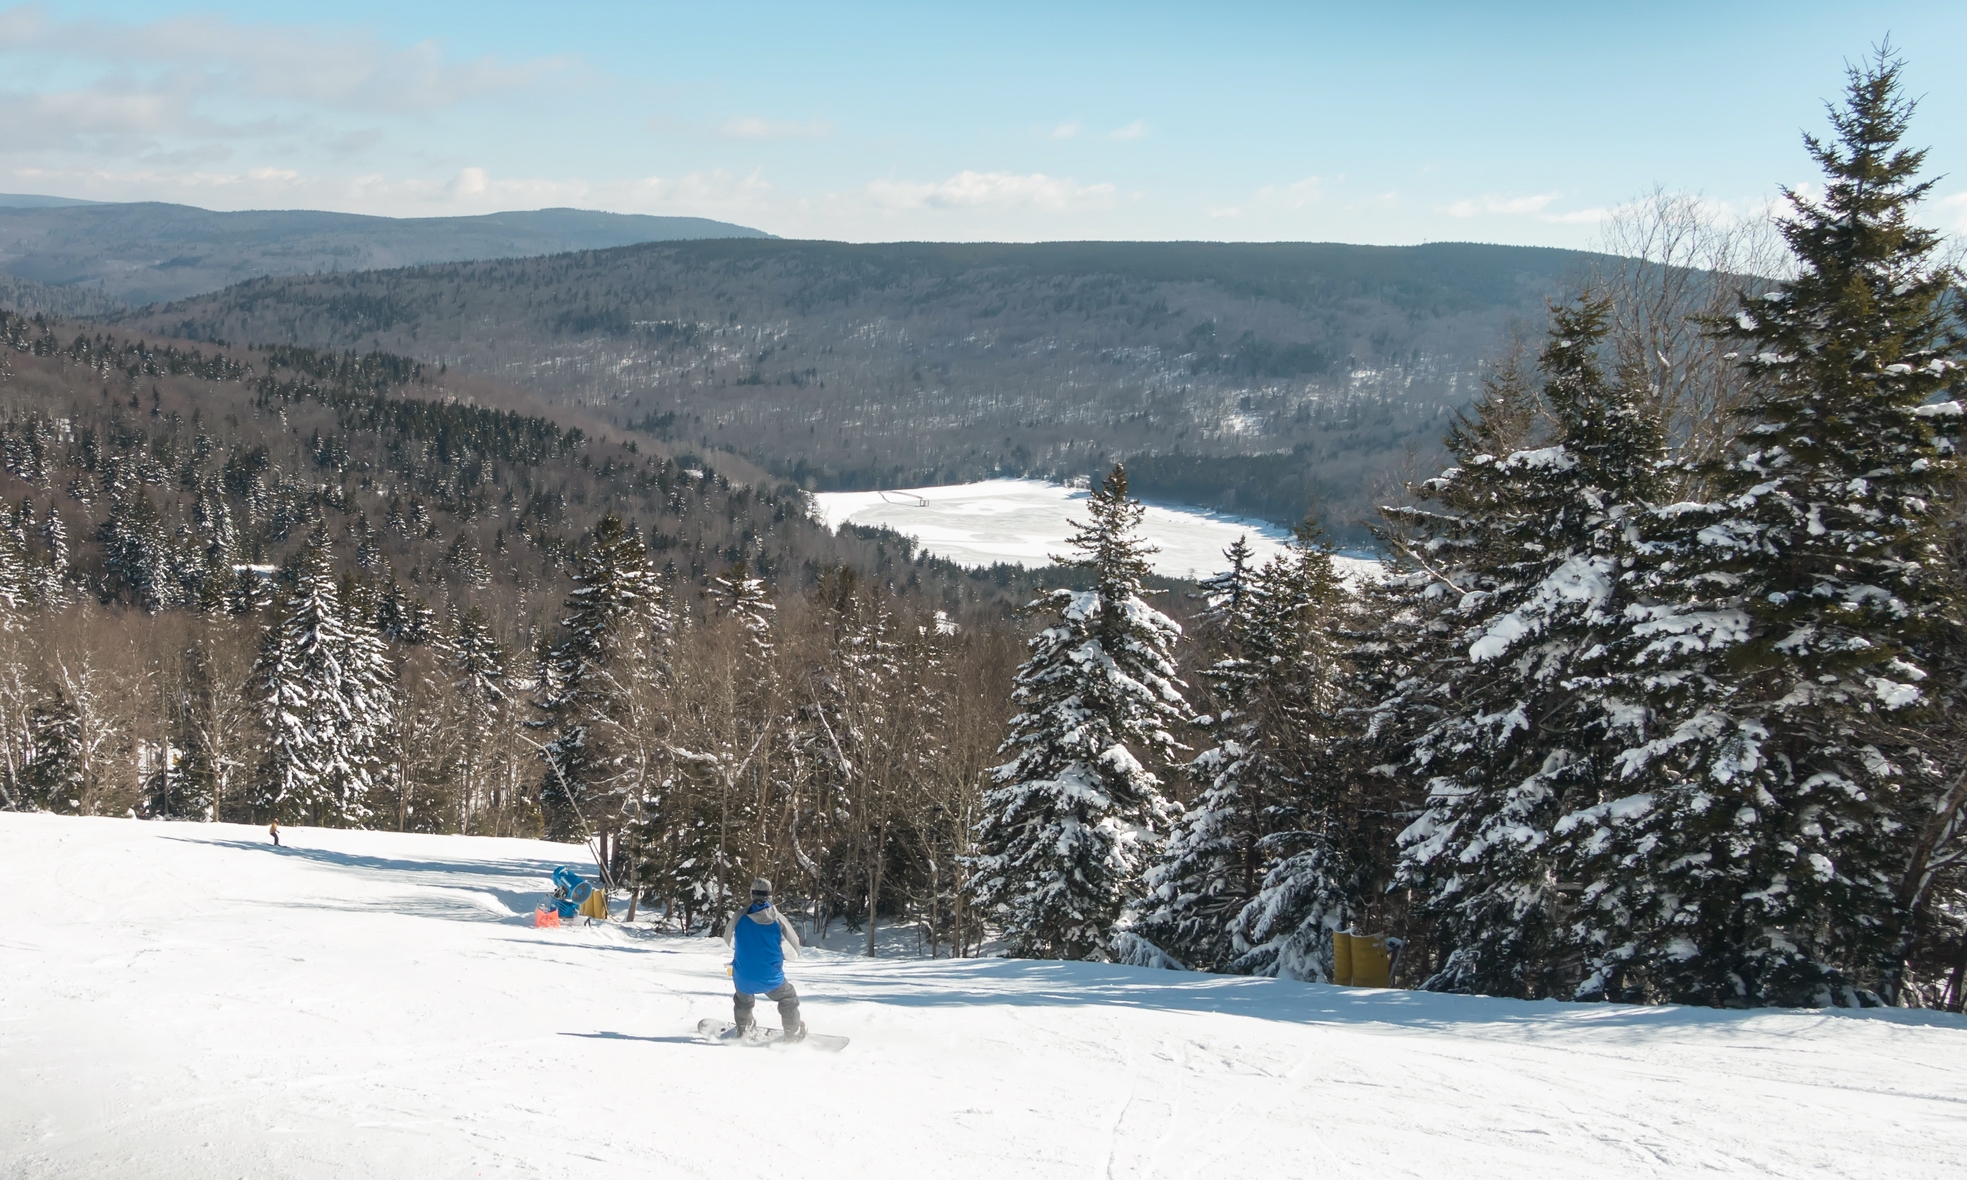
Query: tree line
x=1655, y=700
x=1644, y=710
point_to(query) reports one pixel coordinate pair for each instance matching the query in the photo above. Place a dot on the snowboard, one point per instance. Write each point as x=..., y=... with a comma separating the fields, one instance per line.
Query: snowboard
x=723, y=1032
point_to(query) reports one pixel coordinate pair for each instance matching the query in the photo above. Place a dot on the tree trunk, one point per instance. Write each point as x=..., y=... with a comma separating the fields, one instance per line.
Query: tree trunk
x=874, y=892
x=1947, y=826
x=634, y=882
x=1957, y=997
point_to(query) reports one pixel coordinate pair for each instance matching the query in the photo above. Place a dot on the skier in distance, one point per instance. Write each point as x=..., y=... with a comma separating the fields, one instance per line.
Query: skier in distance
x=273, y=830
x=758, y=938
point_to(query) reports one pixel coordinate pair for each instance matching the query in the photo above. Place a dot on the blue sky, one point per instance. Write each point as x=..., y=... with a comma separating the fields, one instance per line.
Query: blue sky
x=1386, y=123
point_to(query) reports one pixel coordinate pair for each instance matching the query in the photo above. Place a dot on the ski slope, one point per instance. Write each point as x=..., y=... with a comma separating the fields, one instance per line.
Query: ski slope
x=182, y=1000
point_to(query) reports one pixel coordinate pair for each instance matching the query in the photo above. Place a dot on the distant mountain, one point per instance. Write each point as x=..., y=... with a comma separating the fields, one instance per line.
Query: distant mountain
x=1261, y=378
x=33, y=201
x=149, y=252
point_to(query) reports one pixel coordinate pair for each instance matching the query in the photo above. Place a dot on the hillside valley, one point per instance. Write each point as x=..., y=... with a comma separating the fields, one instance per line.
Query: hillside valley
x=1263, y=379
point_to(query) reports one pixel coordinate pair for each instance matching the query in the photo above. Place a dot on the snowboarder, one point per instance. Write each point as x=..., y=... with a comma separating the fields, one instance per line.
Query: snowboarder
x=758, y=939
x=273, y=830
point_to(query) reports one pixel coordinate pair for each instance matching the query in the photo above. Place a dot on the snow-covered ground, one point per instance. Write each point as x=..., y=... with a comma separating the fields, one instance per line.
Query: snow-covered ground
x=1025, y=521
x=185, y=1001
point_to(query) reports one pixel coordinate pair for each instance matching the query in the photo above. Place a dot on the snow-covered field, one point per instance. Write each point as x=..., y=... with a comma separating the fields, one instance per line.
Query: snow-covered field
x=1025, y=521
x=185, y=1001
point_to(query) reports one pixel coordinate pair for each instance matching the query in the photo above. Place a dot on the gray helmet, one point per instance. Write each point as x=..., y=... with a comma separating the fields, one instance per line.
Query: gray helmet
x=761, y=890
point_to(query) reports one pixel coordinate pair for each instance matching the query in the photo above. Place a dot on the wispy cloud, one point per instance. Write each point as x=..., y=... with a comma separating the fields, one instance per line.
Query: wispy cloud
x=1275, y=198
x=359, y=140
x=257, y=183
x=1535, y=206
x=1295, y=195
x=750, y=127
x=1003, y=191
x=331, y=68
x=1075, y=128
x=1502, y=206
x=1953, y=213
x=713, y=193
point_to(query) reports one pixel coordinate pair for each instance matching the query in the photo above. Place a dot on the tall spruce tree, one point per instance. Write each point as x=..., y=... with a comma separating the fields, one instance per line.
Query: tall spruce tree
x=1518, y=737
x=1208, y=867
x=1079, y=808
x=321, y=688
x=615, y=618
x=1311, y=819
x=1758, y=850
x=1252, y=877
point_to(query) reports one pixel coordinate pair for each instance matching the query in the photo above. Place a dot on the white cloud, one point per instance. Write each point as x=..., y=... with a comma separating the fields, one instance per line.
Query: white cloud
x=473, y=189
x=1504, y=206
x=1133, y=130
x=1295, y=195
x=207, y=55
x=1275, y=198
x=755, y=128
x=716, y=193
x=360, y=140
x=251, y=184
x=1590, y=216
x=1001, y=191
x=1067, y=129
x=1954, y=215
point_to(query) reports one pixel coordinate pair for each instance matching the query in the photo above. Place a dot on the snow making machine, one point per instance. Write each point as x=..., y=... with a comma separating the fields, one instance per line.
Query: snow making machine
x=573, y=896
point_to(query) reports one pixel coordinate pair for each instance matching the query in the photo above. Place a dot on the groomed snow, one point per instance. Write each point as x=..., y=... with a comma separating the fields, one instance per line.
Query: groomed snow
x=1025, y=521
x=182, y=1000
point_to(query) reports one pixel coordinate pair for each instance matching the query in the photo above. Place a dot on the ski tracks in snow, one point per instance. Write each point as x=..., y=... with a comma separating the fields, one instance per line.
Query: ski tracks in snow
x=370, y=1004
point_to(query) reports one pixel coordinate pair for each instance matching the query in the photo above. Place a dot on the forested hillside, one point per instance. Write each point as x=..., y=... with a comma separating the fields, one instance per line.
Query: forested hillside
x=331, y=588
x=1261, y=378
x=129, y=254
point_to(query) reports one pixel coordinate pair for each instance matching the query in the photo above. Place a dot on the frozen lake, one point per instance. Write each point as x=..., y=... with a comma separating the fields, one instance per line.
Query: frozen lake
x=1024, y=521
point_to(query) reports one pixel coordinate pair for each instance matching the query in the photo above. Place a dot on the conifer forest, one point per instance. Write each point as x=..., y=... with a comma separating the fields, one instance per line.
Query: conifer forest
x=1657, y=697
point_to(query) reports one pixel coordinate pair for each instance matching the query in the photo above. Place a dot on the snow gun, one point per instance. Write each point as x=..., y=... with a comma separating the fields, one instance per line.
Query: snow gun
x=570, y=891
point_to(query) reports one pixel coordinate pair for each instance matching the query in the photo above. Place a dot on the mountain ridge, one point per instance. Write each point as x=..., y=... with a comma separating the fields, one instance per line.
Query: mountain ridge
x=861, y=365
x=142, y=252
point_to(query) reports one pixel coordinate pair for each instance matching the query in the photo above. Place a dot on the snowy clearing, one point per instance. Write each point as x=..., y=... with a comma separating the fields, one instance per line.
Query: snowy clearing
x=1024, y=521
x=183, y=1000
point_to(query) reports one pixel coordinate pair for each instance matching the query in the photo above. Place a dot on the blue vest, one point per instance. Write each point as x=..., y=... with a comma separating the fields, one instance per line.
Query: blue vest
x=758, y=961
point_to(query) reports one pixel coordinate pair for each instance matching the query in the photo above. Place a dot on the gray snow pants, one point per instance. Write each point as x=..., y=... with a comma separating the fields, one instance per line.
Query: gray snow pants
x=787, y=999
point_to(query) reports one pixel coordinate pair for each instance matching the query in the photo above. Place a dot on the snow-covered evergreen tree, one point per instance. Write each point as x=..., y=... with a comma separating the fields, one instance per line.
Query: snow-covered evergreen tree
x=321, y=683
x=743, y=597
x=137, y=552
x=1078, y=808
x=369, y=686
x=402, y=617
x=1226, y=596
x=1251, y=878
x=1517, y=737
x=1207, y=867
x=1309, y=817
x=615, y=617
x=53, y=773
x=54, y=536
x=1756, y=851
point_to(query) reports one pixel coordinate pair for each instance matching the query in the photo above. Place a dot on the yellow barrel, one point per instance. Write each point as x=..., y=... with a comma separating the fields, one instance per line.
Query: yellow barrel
x=1342, y=958
x=596, y=905
x=1370, y=965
